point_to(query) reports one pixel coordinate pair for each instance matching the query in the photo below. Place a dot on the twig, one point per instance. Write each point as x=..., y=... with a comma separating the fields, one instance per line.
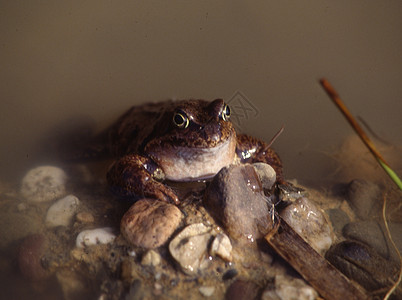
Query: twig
x=360, y=132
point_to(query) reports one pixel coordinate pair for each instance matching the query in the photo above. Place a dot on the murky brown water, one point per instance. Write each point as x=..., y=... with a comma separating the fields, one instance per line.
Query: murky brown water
x=64, y=64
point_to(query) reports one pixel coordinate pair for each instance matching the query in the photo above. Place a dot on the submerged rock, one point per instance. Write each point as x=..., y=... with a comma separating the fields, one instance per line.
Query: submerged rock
x=363, y=196
x=235, y=198
x=62, y=212
x=221, y=247
x=190, y=248
x=149, y=223
x=30, y=256
x=44, y=183
x=94, y=237
x=374, y=234
x=363, y=264
x=310, y=223
x=242, y=290
x=338, y=218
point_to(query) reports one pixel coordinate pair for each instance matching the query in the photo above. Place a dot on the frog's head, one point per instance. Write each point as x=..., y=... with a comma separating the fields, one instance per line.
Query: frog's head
x=198, y=141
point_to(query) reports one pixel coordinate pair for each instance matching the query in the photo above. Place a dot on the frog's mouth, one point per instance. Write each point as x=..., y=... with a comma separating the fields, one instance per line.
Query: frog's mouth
x=195, y=163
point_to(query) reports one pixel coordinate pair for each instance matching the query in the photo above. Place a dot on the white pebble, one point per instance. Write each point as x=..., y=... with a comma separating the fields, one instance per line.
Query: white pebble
x=94, y=237
x=206, y=291
x=310, y=222
x=151, y=258
x=189, y=248
x=62, y=211
x=43, y=184
x=287, y=287
x=221, y=247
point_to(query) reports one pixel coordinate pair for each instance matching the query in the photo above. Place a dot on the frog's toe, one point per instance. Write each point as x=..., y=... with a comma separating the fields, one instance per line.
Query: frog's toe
x=167, y=195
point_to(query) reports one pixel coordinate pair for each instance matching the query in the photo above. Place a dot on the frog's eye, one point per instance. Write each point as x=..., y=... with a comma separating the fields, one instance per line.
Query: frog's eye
x=226, y=113
x=180, y=119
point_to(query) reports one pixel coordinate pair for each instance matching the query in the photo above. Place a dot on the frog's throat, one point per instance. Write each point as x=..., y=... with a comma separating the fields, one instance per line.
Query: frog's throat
x=191, y=164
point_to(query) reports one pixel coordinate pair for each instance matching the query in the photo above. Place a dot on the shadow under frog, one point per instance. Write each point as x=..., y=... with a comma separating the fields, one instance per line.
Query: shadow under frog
x=185, y=140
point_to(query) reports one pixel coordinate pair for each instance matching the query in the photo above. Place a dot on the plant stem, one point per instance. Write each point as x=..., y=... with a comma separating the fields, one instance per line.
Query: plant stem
x=360, y=132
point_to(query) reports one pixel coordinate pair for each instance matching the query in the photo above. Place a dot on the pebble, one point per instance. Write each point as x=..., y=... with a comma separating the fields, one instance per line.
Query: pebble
x=62, y=211
x=242, y=290
x=338, y=218
x=373, y=233
x=206, y=291
x=221, y=247
x=190, y=248
x=363, y=195
x=236, y=200
x=30, y=255
x=363, y=264
x=151, y=258
x=266, y=174
x=43, y=184
x=149, y=223
x=310, y=223
x=94, y=237
x=229, y=274
x=287, y=287
x=85, y=217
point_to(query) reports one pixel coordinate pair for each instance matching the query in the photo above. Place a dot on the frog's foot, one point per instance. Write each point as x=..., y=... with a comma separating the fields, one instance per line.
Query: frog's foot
x=132, y=176
x=162, y=192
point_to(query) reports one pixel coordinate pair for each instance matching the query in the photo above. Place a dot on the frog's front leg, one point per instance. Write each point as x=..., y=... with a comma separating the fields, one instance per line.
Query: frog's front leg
x=250, y=150
x=134, y=175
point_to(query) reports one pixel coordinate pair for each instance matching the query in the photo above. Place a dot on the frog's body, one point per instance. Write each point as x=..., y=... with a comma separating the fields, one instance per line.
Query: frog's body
x=180, y=141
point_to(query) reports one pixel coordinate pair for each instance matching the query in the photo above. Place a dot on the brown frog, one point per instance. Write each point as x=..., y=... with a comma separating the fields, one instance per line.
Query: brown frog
x=184, y=140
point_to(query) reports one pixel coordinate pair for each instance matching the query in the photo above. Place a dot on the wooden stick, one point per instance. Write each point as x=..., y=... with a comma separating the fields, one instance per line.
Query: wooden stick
x=315, y=269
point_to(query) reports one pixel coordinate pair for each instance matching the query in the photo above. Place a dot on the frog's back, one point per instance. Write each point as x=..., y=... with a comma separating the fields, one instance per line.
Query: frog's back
x=135, y=127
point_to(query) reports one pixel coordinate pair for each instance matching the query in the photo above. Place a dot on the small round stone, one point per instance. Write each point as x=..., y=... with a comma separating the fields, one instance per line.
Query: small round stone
x=96, y=236
x=62, y=211
x=149, y=223
x=44, y=183
x=207, y=291
x=363, y=196
x=151, y=258
x=85, y=217
x=222, y=247
x=242, y=289
x=30, y=254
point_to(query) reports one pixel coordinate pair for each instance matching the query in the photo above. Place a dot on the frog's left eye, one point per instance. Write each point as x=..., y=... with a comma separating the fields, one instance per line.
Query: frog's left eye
x=180, y=119
x=226, y=113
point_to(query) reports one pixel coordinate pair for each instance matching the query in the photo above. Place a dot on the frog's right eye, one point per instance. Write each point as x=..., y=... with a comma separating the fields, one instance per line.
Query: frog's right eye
x=180, y=119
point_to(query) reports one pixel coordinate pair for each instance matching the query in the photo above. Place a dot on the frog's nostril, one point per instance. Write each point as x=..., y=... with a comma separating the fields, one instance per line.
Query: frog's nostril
x=212, y=132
